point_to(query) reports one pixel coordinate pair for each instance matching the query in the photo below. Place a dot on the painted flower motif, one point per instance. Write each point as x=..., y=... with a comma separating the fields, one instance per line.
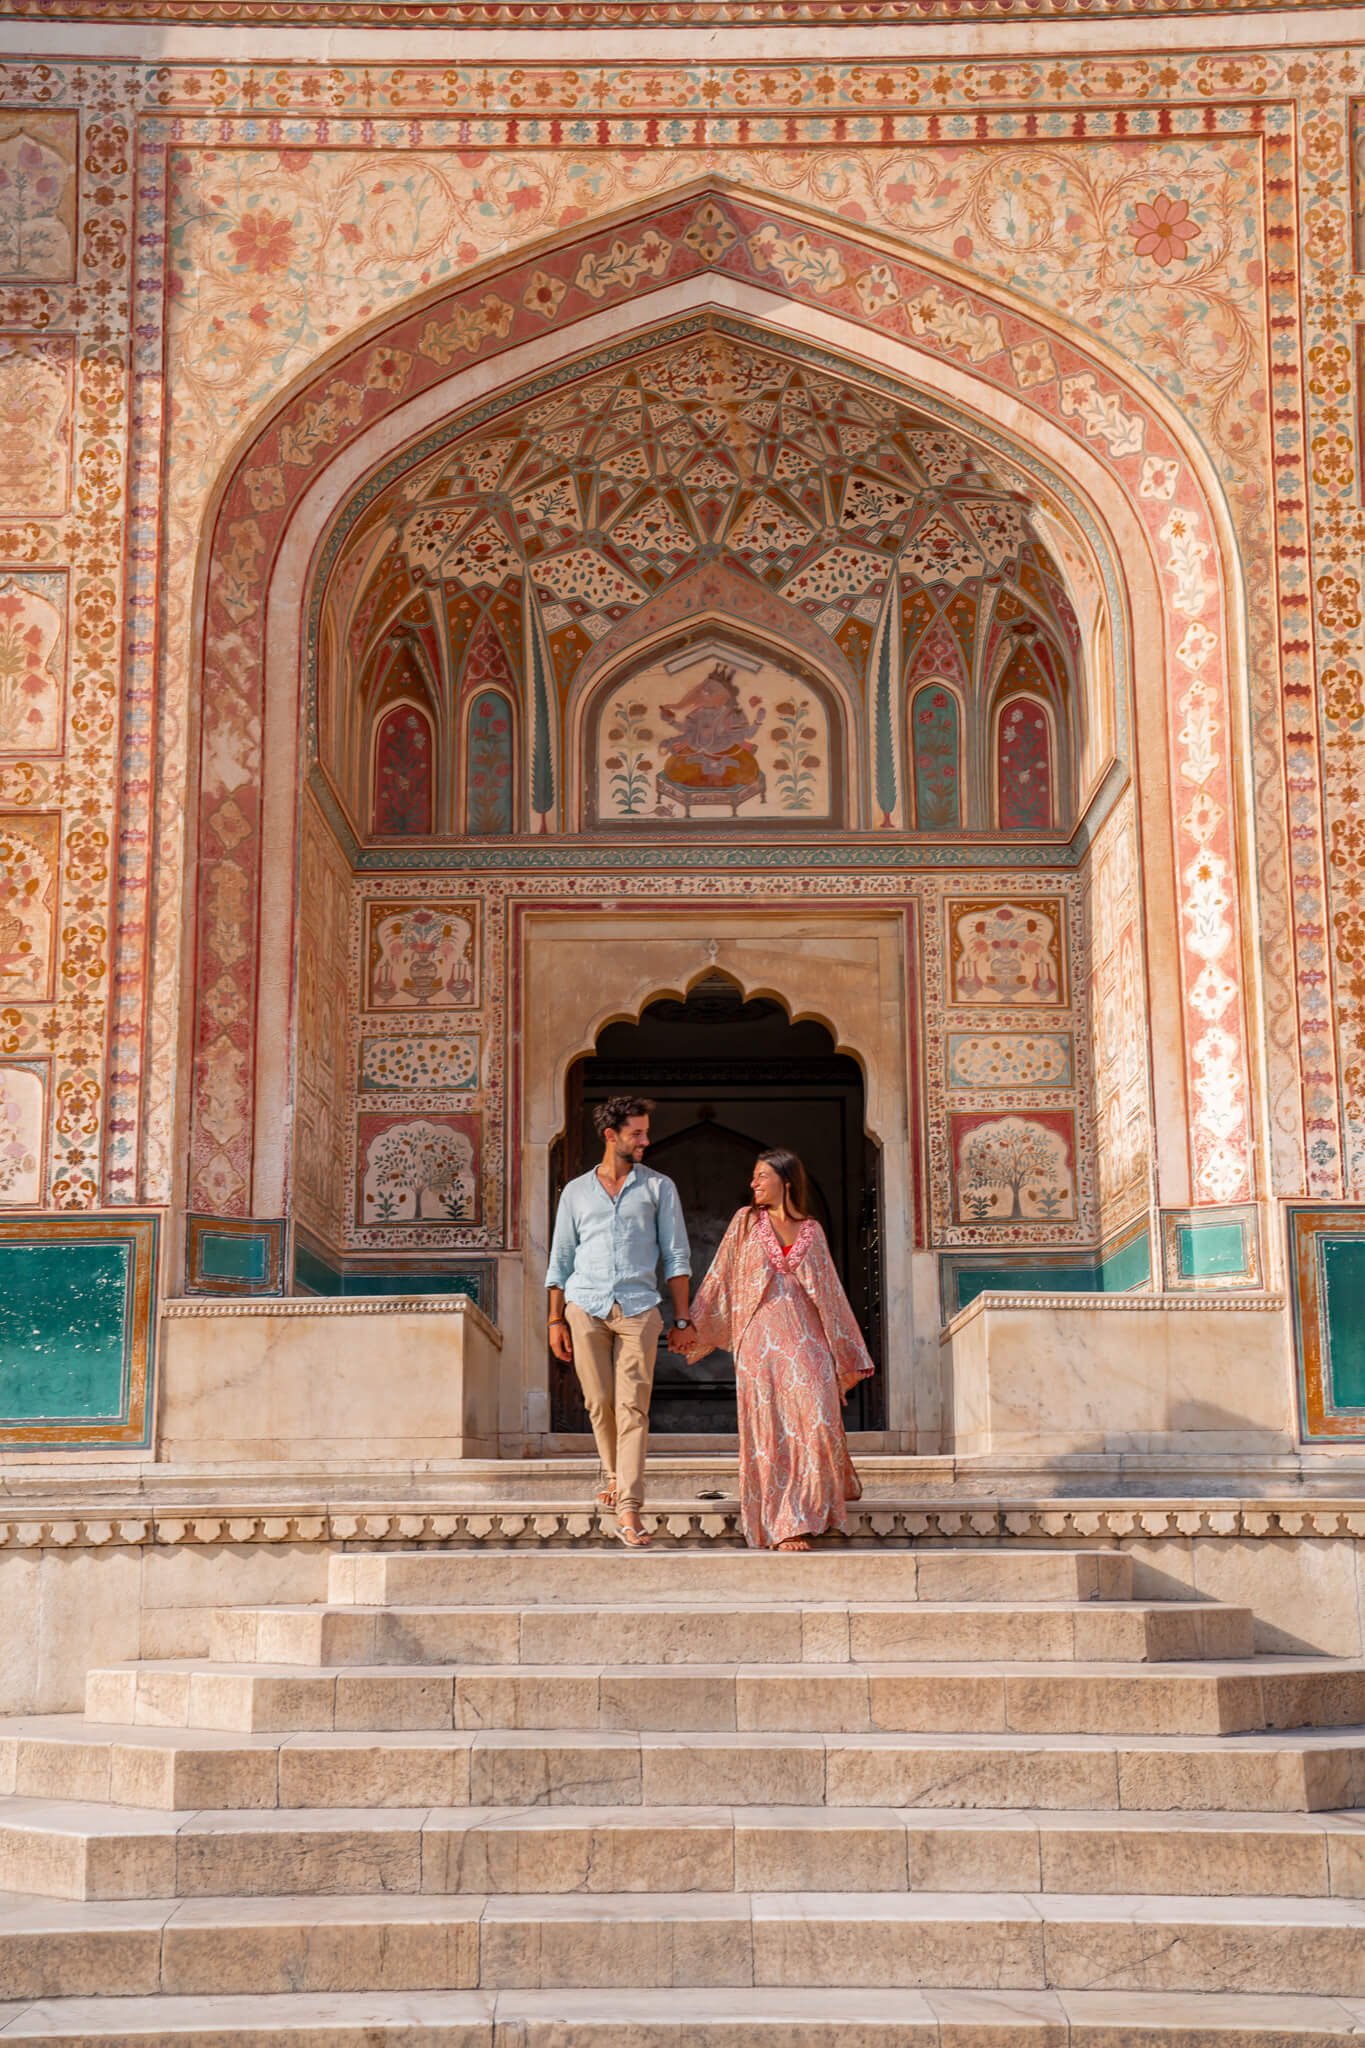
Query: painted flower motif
x=262, y=242
x=1164, y=229
x=543, y=294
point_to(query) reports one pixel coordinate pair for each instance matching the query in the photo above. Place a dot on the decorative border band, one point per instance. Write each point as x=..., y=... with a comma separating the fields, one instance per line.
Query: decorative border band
x=528, y=1527
x=626, y=14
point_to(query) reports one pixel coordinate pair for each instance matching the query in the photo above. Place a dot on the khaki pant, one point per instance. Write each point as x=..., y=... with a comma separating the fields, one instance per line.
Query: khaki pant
x=614, y=1359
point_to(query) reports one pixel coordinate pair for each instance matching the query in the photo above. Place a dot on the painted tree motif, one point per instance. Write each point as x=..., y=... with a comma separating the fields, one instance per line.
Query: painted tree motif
x=934, y=737
x=1015, y=1157
x=421, y=1170
x=1024, y=767
x=488, y=795
x=34, y=239
x=402, y=774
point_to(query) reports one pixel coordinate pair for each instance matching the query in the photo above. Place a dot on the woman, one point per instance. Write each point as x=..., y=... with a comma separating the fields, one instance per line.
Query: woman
x=773, y=1298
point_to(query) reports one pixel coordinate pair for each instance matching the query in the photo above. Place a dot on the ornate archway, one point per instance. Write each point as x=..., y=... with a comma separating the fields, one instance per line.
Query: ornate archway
x=1108, y=470
x=1034, y=396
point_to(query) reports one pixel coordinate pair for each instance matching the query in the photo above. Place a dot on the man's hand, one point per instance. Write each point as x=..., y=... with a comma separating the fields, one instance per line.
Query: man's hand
x=561, y=1343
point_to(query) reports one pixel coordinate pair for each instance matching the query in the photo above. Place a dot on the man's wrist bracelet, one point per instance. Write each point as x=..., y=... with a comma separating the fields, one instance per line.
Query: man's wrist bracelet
x=559, y=1319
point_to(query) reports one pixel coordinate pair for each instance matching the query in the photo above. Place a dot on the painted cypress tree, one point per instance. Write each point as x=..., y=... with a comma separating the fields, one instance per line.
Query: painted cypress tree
x=882, y=713
x=542, y=757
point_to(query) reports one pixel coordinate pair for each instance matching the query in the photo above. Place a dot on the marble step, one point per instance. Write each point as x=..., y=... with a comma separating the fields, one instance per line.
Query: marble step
x=467, y=1578
x=1208, y=1698
x=355, y=1945
x=767, y=2017
x=66, y=1757
x=732, y=1630
x=60, y=1849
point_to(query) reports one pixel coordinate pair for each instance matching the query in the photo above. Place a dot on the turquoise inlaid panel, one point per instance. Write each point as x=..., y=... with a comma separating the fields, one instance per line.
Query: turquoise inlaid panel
x=1119, y=1268
x=314, y=1274
x=1327, y=1290
x=236, y=1257
x=1127, y=1266
x=66, y=1313
x=1210, y=1249
x=1342, y=1301
x=1018, y=1280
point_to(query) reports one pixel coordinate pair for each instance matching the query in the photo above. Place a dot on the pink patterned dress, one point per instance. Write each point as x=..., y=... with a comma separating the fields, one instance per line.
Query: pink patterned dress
x=797, y=1349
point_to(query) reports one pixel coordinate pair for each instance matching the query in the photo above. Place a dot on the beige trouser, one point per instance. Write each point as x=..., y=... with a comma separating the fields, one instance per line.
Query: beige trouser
x=614, y=1359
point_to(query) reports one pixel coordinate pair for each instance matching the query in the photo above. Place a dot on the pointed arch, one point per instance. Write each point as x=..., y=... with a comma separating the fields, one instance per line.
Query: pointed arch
x=489, y=753
x=249, y=627
x=936, y=731
x=1025, y=756
x=490, y=771
x=394, y=772
x=403, y=773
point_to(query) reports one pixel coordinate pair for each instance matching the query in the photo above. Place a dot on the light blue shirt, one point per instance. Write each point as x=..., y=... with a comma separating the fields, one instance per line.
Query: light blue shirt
x=604, y=1251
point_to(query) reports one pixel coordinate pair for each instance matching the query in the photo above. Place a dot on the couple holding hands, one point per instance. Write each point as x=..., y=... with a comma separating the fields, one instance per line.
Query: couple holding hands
x=772, y=1298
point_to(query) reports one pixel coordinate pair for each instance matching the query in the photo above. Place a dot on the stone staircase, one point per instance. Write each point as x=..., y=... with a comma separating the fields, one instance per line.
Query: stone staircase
x=520, y=1798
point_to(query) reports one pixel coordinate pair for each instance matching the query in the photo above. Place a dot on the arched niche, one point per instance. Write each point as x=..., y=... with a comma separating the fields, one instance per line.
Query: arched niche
x=489, y=765
x=714, y=726
x=934, y=756
x=402, y=773
x=843, y=967
x=729, y=1075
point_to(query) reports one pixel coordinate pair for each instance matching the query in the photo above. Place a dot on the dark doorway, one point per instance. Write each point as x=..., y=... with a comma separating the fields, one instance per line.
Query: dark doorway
x=729, y=1078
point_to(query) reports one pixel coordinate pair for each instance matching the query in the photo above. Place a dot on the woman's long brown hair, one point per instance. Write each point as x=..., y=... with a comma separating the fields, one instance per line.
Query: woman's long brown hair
x=792, y=1175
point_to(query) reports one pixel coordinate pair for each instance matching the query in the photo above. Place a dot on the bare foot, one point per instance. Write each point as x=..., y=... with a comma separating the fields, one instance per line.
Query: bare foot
x=795, y=1543
x=631, y=1533
x=607, y=1497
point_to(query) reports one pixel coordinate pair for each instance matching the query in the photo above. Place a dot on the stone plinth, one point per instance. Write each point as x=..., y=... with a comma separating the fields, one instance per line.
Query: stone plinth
x=1054, y=1376
x=303, y=1381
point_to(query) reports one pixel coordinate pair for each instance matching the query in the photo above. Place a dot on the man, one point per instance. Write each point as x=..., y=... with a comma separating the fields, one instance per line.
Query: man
x=614, y=1228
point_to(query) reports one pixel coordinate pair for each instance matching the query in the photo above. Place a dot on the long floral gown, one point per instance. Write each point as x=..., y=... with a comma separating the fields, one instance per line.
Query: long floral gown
x=797, y=1348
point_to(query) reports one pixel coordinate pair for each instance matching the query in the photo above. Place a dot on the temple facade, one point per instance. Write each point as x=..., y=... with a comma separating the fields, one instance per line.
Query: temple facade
x=822, y=585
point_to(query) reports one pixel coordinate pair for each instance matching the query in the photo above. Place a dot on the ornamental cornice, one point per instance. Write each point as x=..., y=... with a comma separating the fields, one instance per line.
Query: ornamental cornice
x=180, y=1307
x=641, y=16
x=530, y=1527
x=1150, y=1304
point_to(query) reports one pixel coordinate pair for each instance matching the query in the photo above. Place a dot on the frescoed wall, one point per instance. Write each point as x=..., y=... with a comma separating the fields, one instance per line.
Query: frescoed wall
x=1118, y=1023
x=324, y=1000
x=836, y=399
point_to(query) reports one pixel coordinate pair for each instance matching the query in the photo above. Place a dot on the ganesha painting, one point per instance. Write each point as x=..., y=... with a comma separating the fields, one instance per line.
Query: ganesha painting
x=719, y=739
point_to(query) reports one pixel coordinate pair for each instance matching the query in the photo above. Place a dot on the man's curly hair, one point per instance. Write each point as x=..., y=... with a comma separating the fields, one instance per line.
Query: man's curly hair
x=618, y=1110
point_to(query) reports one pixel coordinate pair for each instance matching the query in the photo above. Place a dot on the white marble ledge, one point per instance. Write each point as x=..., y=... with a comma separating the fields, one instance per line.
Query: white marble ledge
x=1170, y=1304
x=213, y=1306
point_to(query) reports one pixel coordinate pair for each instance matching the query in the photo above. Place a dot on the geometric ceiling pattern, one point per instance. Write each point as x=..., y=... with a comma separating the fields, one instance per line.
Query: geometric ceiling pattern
x=813, y=490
